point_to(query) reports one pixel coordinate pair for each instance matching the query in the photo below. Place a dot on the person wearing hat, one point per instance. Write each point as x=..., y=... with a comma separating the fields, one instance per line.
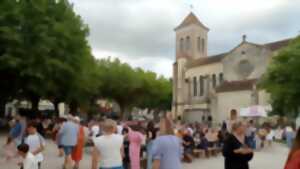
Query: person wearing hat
x=78, y=149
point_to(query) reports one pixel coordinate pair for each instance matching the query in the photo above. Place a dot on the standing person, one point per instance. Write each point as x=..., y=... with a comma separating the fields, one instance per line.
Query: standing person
x=126, y=158
x=270, y=136
x=40, y=128
x=289, y=135
x=167, y=150
x=293, y=160
x=13, y=139
x=56, y=138
x=29, y=161
x=68, y=135
x=119, y=128
x=108, y=148
x=250, y=135
x=236, y=152
x=78, y=149
x=135, y=139
x=18, y=130
x=151, y=135
x=233, y=119
x=35, y=142
x=95, y=130
x=23, y=122
x=10, y=150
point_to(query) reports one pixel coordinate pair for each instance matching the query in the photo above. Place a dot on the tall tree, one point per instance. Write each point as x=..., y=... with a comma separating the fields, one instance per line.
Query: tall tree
x=282, y=80
x=10, y=39
x=47, y=50
x=133, y=87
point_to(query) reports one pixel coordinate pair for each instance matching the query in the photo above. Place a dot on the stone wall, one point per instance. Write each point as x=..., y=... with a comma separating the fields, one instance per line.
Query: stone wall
x=231, y=100
x=248, y=61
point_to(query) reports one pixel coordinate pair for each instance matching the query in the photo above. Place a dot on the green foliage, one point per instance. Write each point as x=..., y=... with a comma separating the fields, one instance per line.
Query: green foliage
x=133, y=87
x=282, y=80
x=44, y=53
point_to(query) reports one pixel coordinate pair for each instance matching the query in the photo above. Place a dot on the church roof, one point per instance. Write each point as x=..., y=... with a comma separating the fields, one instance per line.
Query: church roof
x=278, y=44
x=189, y=20
x=229, y=86
x=206, y=60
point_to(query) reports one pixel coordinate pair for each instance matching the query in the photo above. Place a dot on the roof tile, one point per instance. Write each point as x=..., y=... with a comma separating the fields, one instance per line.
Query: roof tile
x=206, y=60
x=189, y=20
x=229, y=86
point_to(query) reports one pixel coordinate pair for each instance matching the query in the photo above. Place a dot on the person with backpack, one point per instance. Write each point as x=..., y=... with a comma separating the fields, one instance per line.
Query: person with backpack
x=35, y=142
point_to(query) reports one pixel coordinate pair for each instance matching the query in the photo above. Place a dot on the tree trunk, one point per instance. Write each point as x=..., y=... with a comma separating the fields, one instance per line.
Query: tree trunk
x=122, y=113
x=73, y=107
x=2, y=107
x=125, y=112
x=35, y=104
x=56, y=110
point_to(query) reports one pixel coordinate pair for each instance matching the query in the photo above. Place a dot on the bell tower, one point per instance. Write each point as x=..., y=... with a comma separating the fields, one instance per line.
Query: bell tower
x=191, y=43
x=191, y=38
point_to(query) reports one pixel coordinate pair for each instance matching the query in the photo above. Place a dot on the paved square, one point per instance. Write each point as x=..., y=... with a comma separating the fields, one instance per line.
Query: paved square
x=270, y=158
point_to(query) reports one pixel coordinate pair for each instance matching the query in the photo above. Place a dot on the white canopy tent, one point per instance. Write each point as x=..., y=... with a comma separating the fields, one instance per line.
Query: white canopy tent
x=254, y=111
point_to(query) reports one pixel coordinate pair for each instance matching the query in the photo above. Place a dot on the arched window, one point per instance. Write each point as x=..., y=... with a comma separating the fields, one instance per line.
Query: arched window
x=203, y=45
x=214, y=80
x=221, y=78
x=199, y=44
x=195, y=86
x=201, y=80
x=181, y=45
x=188, y=43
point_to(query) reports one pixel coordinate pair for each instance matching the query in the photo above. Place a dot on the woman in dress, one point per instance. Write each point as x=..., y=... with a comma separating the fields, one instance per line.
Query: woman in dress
x=78, y=149
x=167, y=149
x=135, y=139
x=293, y=161
x=236, y=151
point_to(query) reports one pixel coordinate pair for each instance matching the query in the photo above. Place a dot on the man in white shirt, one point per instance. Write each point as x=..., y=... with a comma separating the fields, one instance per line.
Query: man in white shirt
x=29, y=161
x=108, y=148
x=119, y=128
x=35, y=142
x=95, y=130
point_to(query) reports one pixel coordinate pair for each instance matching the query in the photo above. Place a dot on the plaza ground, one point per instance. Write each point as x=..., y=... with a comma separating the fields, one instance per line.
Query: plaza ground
x=270, y=158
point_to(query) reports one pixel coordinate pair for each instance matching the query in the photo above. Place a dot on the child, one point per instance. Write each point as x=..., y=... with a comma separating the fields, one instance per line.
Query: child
x=29, y=161
x=35, y=142
x=10, y=149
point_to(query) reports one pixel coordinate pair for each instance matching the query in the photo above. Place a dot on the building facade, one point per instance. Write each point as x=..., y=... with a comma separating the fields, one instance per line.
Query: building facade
x=206, y=88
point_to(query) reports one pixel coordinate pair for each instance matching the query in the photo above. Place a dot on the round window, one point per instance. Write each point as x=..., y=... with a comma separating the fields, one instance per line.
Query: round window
x=245, y=68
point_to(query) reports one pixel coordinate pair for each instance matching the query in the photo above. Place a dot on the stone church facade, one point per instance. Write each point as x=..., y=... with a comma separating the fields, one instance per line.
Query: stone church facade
x=208, y=87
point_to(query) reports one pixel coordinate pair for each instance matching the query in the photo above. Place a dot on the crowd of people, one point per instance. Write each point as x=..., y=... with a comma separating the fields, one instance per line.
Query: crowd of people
x=141, y=144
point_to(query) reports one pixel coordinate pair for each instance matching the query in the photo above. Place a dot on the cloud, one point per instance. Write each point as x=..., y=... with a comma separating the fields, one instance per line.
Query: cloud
x=141, y=31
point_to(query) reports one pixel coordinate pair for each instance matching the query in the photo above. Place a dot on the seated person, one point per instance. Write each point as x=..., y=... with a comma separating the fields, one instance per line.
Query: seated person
x=188, y=145
x=212, y=138
x=203, y=144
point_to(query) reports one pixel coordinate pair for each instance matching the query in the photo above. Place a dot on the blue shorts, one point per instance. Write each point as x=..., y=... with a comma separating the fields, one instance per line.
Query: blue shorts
x=68, y=149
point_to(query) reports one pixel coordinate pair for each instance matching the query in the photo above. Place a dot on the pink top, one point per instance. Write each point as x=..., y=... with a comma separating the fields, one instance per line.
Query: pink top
x=135, y=139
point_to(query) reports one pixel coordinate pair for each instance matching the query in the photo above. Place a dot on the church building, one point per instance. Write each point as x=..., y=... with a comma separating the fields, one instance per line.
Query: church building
x=206, y=88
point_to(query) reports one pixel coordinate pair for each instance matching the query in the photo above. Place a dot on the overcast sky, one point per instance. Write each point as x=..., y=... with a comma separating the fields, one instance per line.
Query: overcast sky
x=140, y=32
